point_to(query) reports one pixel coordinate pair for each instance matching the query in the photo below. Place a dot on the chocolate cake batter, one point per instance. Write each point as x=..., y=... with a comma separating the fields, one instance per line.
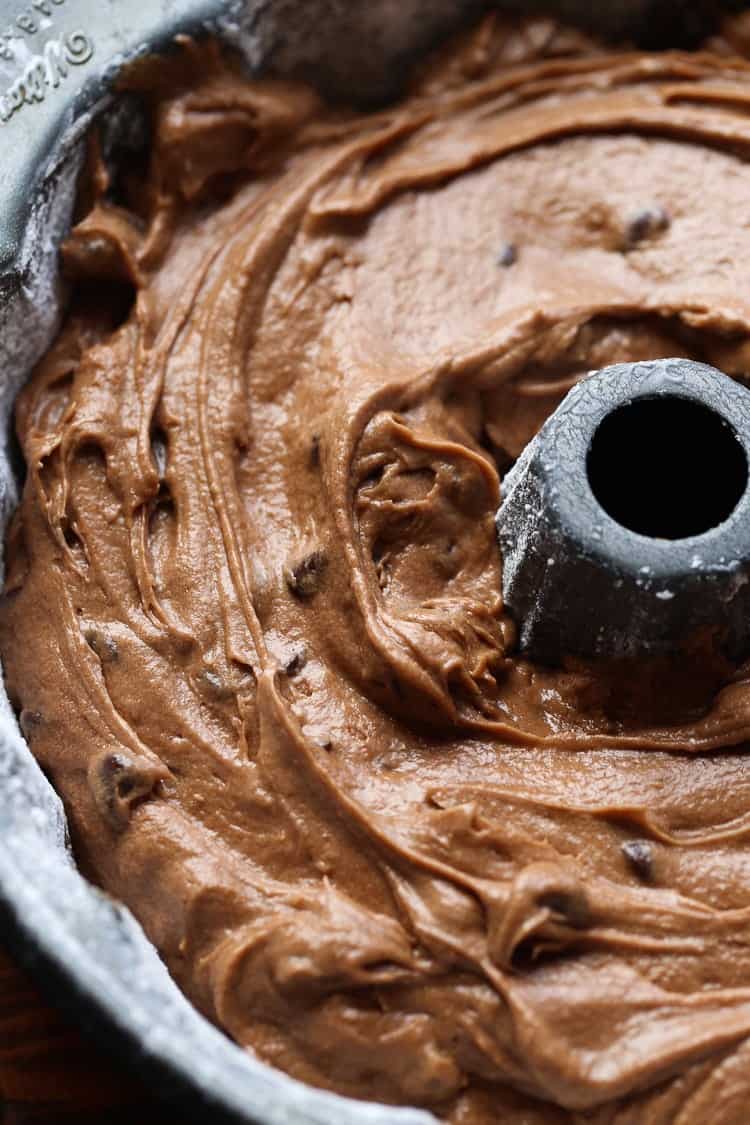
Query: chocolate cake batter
x=252, y=618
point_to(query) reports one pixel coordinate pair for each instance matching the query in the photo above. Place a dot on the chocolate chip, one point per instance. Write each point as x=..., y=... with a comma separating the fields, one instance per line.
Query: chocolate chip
x=640, y=856
x=305, y=577
x=315, y=451
x=29, y=722
x=118, y=782
x=296, y=663
x=102, y=644
x=646, y=223
x=508, y=255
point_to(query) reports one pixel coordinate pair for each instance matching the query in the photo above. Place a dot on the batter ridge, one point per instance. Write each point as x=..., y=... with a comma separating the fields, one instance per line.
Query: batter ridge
x=252, y=620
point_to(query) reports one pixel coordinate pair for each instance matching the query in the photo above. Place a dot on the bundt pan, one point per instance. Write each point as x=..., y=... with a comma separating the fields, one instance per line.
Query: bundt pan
x=58, y=59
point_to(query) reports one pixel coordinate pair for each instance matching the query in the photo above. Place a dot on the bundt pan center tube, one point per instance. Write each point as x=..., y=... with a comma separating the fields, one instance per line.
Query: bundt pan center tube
x=59, y=60
x=625, y=523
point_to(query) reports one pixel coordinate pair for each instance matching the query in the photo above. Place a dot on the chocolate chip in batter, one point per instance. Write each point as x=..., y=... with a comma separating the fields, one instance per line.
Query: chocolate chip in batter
x=508, y=255
x=102, y=644
x=305, y=577
x=296, y=662
x=118, y=782
x=646, y=223
x=29, y=722
x=640, y=856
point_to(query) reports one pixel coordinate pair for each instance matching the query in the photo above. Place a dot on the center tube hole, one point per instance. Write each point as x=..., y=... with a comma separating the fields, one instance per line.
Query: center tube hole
x=667, y=467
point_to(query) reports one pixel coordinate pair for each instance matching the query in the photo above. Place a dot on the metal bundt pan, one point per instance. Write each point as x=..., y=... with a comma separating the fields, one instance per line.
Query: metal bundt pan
x=57, y=62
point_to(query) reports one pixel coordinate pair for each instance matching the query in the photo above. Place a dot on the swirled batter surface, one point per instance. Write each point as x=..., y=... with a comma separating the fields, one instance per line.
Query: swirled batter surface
x=253, y=618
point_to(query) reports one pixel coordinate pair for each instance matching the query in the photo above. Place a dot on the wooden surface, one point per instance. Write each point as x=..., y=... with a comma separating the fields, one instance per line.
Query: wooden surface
x=50, y=1075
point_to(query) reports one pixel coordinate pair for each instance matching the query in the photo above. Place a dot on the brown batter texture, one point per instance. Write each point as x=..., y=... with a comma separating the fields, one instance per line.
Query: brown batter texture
x=253, y=618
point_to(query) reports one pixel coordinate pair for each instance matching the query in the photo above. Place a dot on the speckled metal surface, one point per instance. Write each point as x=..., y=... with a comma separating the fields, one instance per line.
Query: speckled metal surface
x=57, y=59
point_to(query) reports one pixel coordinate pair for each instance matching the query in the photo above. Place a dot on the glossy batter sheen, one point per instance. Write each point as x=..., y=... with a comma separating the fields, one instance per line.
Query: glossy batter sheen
x=253, y=618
